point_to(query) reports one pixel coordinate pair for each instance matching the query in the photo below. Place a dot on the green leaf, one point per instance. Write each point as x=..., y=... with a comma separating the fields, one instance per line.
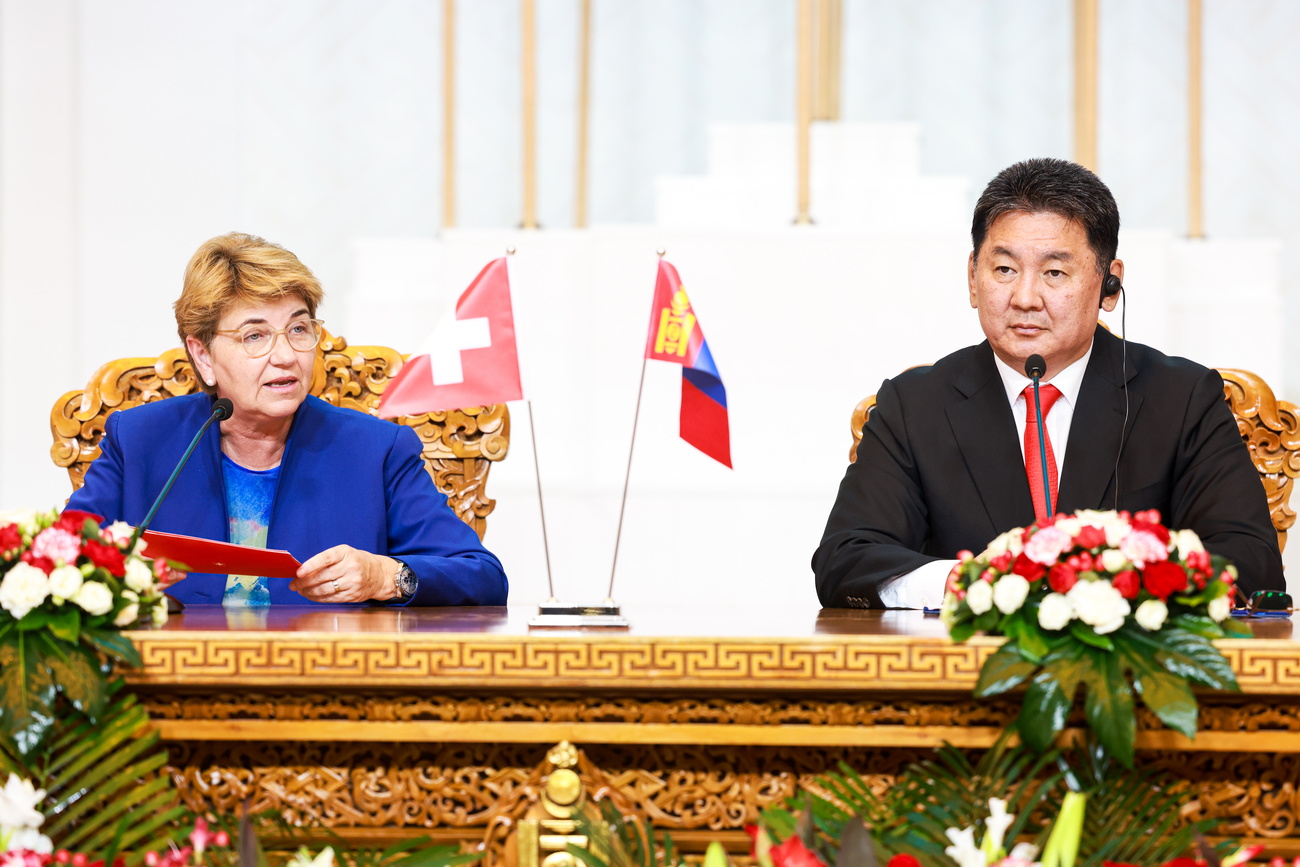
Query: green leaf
x=1005, y=669
x=1167, y=695
x=1085, y=633
x=113, y=643
x=1192, y=656
x=66, y=624
x=26, y=694
x=1198, y=624
x=1109, y=705
x=962, y=631
x=1044, y=712
x=81, y=679
x=38, y=619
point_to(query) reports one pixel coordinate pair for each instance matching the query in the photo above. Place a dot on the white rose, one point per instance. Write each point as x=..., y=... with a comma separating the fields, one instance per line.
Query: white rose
x=1055, y=611
x=1187, y=543
x=979, y=596
x=1069, y=526
x=131, y=613
x=1219, y=607
x=1010, y=592
x=159, y=613
x=94, y=598
x=1100, y=605
x=118, y=532
x=65, y=581
x=1151, y=614
x=139, y=577
x=1113, y=561
x=24, y=518
x=24, y=587
x=18, y=802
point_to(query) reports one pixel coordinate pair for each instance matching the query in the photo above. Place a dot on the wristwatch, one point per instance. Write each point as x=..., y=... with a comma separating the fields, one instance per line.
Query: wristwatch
x=406, y=582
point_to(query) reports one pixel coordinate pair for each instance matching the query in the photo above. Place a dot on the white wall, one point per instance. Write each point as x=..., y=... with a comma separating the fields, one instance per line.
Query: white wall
x=131, y=131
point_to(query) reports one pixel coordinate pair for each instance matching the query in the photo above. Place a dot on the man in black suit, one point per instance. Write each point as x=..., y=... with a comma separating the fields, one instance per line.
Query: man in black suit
x=941, y=467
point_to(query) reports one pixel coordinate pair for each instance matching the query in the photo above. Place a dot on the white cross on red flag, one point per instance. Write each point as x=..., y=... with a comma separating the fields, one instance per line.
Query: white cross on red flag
x=471, y=361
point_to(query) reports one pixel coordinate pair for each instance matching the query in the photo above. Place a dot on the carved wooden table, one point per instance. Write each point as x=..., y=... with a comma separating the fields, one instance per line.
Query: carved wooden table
x=383, y=723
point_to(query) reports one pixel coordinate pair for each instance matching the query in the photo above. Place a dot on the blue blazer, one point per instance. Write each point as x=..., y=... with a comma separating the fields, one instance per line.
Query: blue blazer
x=345, y=478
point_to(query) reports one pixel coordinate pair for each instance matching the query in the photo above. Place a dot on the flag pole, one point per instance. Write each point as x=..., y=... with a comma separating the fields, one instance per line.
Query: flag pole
x=618, y=536
x=541, y=506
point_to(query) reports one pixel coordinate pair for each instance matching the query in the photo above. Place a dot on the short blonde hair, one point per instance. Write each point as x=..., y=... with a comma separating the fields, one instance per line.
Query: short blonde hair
x=236, y=268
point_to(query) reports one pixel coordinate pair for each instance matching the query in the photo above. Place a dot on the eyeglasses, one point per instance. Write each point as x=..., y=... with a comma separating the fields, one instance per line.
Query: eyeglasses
x=259, y=340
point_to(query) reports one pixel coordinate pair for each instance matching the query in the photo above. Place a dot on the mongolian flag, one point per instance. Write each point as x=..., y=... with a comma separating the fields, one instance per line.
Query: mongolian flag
x=470, y=359
x=675, y=335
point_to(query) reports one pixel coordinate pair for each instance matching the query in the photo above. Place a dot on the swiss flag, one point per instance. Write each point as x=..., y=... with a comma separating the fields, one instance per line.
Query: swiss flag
x=471, y=359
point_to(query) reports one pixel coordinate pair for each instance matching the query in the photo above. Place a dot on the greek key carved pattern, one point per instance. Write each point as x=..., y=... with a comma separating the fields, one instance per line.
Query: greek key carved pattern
x=654, y=663
x=458, y=445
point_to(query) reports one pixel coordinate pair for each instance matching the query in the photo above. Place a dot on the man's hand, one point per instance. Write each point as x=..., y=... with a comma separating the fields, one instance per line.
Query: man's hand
x=344, y=574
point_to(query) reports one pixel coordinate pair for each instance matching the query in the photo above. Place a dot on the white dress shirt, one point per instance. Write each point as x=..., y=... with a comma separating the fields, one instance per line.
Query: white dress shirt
x=923, y=587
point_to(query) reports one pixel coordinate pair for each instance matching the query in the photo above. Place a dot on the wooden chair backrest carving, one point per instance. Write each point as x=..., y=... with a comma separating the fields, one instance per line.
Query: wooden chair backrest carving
x=1270, y=428
x=459, y=445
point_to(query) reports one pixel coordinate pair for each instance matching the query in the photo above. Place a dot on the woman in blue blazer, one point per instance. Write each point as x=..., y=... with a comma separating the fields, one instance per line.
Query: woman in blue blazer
x=345, y=493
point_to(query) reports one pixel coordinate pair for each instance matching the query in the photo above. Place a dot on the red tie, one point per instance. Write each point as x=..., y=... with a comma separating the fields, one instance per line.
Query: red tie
x=1033, y=463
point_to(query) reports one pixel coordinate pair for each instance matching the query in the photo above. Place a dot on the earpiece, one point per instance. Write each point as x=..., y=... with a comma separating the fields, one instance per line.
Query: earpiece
x=1110, y=286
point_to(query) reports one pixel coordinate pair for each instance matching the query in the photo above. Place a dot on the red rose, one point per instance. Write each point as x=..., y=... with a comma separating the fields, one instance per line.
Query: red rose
x=11, y=538
x=1002, y=562
x=73, y=520
x=45, y=564
x=793, y=853
x=1127, y=583
x=1028, y=569
x=105, y=556
x=1150, y=521
x=1163, y=578
x=1062, y=578
x=903, y=860
x=1090, y=537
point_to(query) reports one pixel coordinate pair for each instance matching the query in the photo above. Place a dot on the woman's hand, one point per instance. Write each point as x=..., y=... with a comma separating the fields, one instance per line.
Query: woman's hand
x=344, y=574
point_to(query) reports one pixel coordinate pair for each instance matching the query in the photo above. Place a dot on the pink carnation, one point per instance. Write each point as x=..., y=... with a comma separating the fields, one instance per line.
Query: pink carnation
x=1047, y=545
x=57, y=545
x=1143, y=547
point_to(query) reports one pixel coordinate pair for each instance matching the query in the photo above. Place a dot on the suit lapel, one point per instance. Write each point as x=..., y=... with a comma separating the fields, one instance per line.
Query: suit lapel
x=1095, y=429
x=987, y=435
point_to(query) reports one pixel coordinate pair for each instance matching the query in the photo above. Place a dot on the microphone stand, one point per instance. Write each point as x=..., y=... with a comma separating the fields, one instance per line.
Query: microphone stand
x=1035, y=366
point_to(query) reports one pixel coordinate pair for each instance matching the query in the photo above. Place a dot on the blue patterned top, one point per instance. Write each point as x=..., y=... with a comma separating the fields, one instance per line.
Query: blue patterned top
x=249, y=494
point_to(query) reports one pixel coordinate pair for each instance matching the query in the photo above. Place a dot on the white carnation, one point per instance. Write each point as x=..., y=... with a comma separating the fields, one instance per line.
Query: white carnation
x=1007, y=543
x=1219, y=608
x=24, y=587
x=139, y=577
x=1113, y=561
x=32, y=840
x=1151, y=614
x=979, y=596
x=159, y=613
x=1055, y=611
x=65, y=581
x=1100, y=605
x=1186, y=542
x=24, y=518
x=94, y=598
x=118, y=532
x=1010, y=592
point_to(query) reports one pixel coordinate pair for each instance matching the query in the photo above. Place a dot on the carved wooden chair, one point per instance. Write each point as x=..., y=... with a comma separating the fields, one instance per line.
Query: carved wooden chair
x=1269, y=427
x=459, y=445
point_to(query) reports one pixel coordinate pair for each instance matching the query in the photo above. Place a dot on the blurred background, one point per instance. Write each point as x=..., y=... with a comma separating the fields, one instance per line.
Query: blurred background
x=398, y=145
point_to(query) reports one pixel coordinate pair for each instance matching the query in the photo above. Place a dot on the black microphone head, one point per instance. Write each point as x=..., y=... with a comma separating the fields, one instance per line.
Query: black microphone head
x=223, y=408
x=1035, y=366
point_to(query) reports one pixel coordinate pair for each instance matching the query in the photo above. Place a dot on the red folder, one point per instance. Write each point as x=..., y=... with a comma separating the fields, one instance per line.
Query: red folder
x=205, y=555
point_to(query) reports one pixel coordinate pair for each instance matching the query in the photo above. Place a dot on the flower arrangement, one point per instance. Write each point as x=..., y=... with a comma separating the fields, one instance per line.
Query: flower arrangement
x=67, y=587
x=1111, y=601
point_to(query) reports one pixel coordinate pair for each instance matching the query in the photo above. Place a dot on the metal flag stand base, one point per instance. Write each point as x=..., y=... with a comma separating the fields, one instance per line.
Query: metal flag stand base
x=554, y=614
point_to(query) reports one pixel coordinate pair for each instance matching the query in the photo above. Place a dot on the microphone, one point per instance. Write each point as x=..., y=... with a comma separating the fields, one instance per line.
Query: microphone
x=1035, y=367
x=222, y=409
